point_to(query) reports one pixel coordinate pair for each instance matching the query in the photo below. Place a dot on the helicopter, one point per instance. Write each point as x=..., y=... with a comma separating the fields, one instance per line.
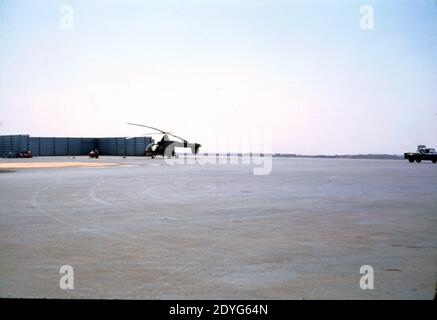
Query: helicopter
x=166, y=147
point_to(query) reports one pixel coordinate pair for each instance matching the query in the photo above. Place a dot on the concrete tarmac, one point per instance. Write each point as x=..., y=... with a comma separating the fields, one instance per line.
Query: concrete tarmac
x=146, y=230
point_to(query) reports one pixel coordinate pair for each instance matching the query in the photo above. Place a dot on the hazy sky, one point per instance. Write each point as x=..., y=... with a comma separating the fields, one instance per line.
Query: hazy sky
x=304, y=69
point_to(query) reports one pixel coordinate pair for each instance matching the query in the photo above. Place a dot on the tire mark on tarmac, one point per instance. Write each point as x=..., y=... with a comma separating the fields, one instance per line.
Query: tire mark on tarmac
x=79, y=226
x=184, y=266
x=92, y=195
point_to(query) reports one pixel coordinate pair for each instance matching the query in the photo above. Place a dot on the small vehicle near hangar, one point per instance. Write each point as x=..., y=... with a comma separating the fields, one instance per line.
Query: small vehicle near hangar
x=422, y=153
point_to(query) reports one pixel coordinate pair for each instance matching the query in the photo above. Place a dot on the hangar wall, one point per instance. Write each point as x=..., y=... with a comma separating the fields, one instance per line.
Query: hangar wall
x=55, y=146
x=13, y=143
x=44, y=146
x=122, y=146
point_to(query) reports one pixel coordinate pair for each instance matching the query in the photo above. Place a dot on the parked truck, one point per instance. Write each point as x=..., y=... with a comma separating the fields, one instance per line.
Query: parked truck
x=422, y=153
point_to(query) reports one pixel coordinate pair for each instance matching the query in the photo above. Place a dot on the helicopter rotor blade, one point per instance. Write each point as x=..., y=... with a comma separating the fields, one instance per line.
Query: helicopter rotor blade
x=144, y=135
x=142, y=125
x=164, y=132
x=170, y=134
